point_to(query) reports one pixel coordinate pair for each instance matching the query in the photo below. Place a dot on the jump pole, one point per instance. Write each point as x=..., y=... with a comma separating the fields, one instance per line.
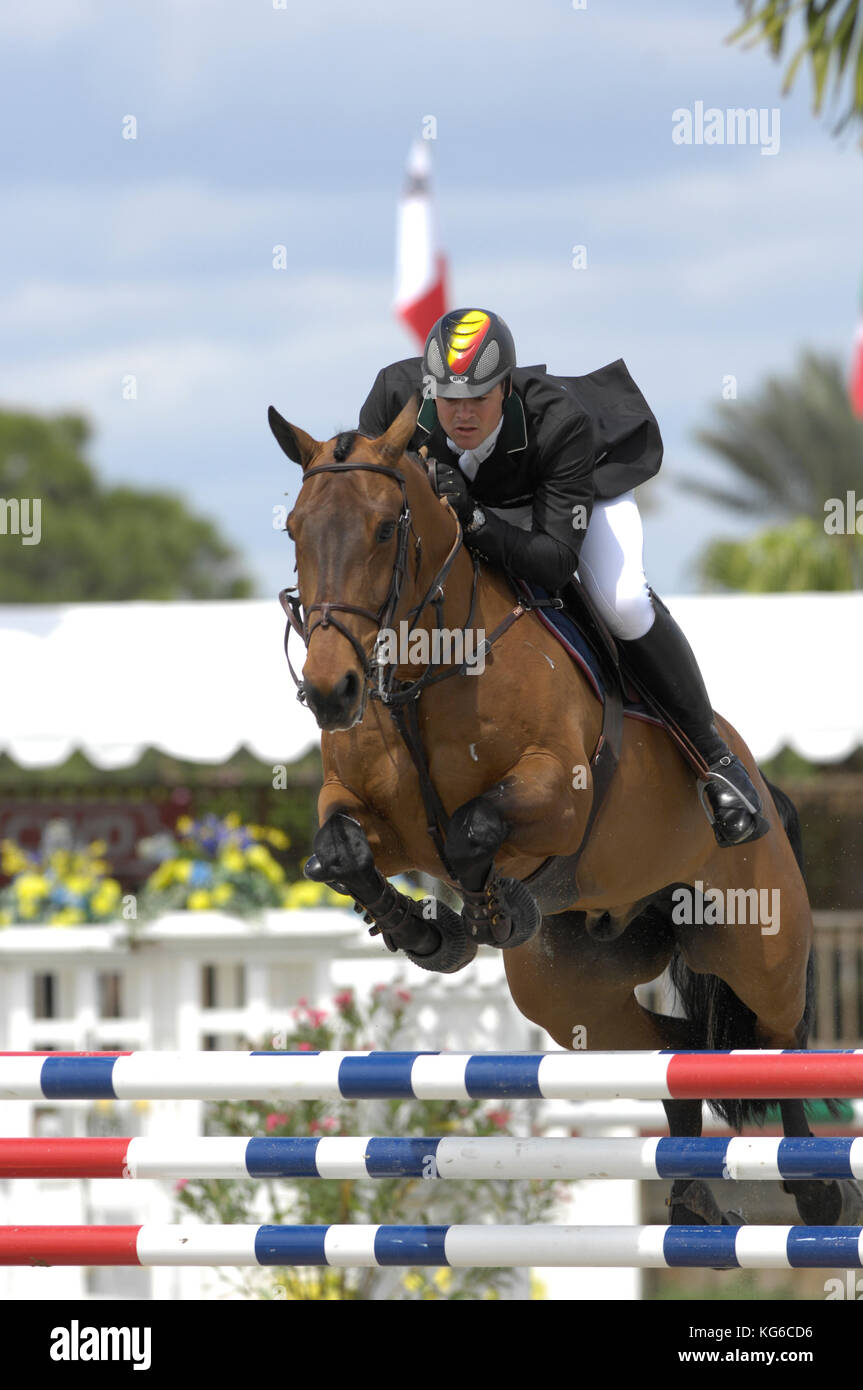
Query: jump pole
x=340, y=1157
x=463, y=1247
x=279, y=1076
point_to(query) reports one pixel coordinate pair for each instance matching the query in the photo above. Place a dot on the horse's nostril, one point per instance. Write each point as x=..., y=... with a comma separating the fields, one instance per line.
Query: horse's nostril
x=337, y=707
x=348, y=687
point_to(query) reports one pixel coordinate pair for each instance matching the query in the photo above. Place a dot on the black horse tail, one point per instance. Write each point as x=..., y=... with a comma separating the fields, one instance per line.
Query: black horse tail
x=721, y=1020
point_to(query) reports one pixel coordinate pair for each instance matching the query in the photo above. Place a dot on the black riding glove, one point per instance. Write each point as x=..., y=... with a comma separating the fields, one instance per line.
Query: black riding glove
x=452, y=484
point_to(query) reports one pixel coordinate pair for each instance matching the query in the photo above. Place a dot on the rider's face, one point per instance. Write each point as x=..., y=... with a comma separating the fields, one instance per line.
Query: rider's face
x=469, y=420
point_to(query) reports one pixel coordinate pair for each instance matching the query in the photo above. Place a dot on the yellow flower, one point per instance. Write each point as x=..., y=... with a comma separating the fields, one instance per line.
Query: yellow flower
x=278, y=838
x=67, y=917
x=164, y=875
x=14, y=860
x=184, y=824
x=413, y=1282
x=232, y=820
x=258, y=855
x=303, y=894
x=182, y=869
x=199, y=901
x=232, y=860
x=30, y=886
x=97, y=848
x=79, y=883
x=222, y=893
x=106, y=896
x=442, y=1278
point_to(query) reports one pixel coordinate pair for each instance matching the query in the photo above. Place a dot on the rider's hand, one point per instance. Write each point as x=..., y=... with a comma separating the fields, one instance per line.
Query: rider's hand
x=452, y=484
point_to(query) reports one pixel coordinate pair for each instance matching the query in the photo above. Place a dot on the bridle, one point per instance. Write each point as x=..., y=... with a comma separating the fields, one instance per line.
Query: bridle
x=401, y=697
x=379, y=674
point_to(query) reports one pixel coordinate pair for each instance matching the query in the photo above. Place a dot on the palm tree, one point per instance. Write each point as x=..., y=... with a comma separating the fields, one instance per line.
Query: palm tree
x=832, y=41
x=796, y=451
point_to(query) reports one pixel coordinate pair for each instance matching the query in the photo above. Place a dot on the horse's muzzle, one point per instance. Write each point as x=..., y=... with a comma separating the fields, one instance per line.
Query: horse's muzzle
x=340, y=707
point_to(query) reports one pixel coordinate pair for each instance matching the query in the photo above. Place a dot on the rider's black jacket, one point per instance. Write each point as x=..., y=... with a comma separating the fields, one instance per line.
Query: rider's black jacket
x=564, y=442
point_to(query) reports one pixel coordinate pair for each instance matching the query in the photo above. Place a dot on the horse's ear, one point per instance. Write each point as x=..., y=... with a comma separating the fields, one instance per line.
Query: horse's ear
x=393, y=444
x=299, y=446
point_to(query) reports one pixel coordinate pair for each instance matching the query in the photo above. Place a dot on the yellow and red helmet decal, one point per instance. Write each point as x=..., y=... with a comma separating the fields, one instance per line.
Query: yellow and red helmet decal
x=465, y=339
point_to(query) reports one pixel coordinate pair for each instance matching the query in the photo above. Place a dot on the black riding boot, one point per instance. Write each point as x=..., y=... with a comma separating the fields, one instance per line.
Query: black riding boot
x=665, y=663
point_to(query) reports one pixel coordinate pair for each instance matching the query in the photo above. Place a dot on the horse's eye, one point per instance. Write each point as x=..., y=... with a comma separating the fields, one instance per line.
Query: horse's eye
x=385, y=530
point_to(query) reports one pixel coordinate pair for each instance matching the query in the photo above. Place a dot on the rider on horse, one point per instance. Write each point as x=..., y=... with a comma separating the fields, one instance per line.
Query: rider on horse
x=540, y=471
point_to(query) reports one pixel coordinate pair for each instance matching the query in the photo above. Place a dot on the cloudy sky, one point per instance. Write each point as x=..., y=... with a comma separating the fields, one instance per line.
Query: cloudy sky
x=259, y=126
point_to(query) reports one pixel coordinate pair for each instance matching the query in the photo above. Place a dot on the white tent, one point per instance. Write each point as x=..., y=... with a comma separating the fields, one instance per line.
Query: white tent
x=200, y=680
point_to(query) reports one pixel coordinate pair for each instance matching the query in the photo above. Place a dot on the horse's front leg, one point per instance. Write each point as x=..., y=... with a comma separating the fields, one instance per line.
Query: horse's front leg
x=533, y=810
x=343, y=856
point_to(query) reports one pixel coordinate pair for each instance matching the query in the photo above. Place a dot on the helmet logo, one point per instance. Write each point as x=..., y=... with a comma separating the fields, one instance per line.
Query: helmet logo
x=465, y=338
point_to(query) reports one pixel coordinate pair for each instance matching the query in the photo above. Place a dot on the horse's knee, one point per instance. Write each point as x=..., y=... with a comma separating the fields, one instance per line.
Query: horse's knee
x=342, y=851
x=475, y=834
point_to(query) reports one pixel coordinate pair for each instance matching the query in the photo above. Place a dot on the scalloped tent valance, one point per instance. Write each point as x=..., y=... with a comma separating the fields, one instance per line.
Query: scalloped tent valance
x=198, y=681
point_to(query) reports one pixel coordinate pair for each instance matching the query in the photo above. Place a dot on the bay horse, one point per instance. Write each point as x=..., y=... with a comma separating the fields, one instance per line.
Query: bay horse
x=506, y=752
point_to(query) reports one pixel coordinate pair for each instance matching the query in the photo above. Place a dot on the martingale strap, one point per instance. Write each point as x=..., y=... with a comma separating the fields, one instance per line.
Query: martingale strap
x=406, y=719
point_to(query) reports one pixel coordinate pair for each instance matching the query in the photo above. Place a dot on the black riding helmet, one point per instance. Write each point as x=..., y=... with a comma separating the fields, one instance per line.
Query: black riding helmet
x=467, y=353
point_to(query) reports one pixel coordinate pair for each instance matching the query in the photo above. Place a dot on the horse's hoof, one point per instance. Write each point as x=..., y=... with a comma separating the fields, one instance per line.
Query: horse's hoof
x=828, y=1202
x=851, y=1212
x=456, y=949
x=691, y=1203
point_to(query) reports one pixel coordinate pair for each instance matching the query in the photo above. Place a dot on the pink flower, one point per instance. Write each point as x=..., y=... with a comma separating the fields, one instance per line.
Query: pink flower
x=500, y=1118
x=274, y=1121
x=344, y=1000
x=304, y=1047
x=180, y=1184
x=314, y=1126
x=303, y=1003
x=378, y=989
x=404, y=994
x=317, y=1017
x=330, y=1124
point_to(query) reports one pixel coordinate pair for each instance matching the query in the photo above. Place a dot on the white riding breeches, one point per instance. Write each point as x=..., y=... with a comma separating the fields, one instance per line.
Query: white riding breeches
x=611, y=562
x=611, y=567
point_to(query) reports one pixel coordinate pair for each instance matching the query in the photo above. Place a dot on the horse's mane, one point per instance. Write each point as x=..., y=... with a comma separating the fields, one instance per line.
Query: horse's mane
x=346, y=443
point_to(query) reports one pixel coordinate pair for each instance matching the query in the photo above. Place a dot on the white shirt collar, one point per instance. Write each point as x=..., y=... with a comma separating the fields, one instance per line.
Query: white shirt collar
x=470, y=459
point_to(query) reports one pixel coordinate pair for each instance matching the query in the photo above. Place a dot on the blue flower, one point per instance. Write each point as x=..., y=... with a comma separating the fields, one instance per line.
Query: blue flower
x=201, y=874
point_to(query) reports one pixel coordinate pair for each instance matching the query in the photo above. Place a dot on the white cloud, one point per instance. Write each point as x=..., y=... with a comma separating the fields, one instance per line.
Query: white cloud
x=47, y=21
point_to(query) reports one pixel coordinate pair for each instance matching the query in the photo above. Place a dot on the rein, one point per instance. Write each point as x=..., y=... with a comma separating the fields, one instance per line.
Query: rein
x=387, y=690
x=400, y=696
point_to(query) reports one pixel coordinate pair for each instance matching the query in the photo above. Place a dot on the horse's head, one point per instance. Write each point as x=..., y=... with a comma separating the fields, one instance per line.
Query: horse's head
x=358, y=554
